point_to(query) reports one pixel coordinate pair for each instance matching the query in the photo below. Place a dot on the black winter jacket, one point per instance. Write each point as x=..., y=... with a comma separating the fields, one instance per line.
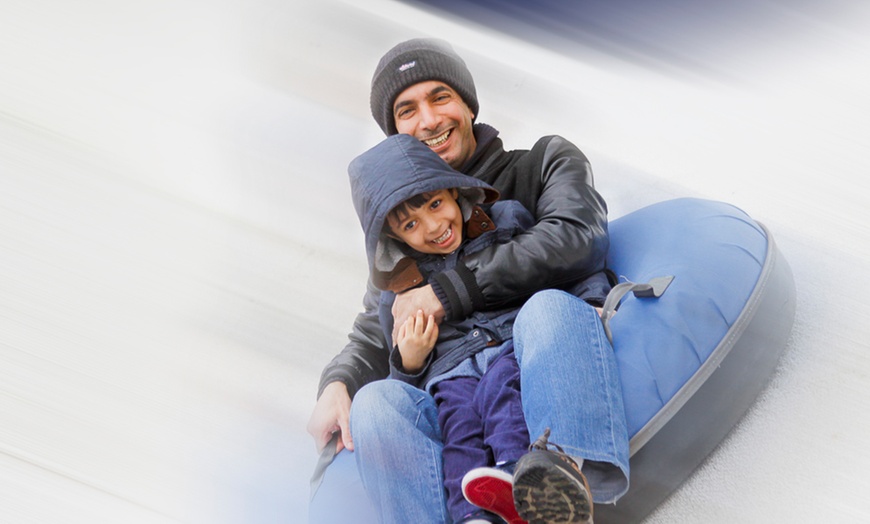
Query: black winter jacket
x=567, y=244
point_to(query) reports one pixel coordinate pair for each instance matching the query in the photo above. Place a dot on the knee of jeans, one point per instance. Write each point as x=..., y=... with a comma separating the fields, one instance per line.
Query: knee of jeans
x=545, y=318
x=542, y=308
x=377, y=404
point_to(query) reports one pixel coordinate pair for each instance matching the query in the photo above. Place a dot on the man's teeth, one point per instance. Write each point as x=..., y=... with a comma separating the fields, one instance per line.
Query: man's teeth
x=438, y=140
x=443, y=237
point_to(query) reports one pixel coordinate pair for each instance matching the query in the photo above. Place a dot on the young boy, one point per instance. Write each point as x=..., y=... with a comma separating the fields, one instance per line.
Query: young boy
x=420, y=217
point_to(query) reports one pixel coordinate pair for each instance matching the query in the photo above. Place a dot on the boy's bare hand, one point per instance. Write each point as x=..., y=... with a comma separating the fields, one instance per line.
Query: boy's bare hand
x=416, y=338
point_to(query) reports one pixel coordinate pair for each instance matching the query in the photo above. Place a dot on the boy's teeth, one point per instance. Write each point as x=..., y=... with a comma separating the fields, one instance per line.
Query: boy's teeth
x=443, y=237
x=432, y=142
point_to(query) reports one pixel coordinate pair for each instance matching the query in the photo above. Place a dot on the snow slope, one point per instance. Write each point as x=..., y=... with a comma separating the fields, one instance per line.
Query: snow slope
x=179, y=257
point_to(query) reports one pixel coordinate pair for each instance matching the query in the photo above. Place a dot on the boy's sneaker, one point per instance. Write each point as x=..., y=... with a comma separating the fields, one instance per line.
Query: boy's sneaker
x=492, y=490
x=549, y=487
x=480, y=517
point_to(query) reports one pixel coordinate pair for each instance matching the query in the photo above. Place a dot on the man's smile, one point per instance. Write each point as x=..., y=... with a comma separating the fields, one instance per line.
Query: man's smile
x=438, y=140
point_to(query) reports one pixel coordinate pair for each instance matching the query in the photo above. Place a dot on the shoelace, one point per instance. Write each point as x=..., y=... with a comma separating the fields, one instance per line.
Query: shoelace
x=542, y=443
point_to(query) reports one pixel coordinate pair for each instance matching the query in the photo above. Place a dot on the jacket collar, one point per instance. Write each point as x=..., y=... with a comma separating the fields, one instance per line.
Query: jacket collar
x=484, y=135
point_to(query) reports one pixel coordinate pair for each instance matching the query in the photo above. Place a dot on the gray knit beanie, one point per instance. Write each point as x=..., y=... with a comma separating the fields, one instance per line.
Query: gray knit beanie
x=414, y=61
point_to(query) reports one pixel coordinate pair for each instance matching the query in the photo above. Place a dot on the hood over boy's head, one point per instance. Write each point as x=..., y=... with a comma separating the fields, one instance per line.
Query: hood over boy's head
x=385, y=176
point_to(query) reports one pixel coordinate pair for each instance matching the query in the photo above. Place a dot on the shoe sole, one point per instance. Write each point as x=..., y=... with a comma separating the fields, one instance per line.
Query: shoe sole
x=492, y=490
x=546, y=493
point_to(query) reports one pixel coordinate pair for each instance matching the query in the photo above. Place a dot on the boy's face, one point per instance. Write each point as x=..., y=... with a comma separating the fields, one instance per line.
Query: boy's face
x=435, y=114
x=433, y=228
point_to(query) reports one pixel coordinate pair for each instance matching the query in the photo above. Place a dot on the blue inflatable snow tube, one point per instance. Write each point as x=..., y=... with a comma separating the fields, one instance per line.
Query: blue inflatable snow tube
x=715, y=253
x=693, y=360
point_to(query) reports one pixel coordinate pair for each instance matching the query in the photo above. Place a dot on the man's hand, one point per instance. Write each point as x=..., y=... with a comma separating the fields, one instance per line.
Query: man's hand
x=416, y=338
x=408, y=303
x=331, y=414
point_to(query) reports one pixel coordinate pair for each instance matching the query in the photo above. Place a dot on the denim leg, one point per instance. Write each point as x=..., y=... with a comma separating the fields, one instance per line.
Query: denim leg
x=571, y=385
x=498, y=401
x=341, y=496
x=397, y=443
x=462, y=434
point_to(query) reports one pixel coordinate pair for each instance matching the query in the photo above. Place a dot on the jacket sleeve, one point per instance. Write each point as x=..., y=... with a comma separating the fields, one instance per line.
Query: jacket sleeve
x=366, y=356
x=568, y=242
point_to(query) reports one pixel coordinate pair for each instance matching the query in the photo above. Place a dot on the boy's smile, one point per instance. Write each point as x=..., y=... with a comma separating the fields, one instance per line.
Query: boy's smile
x=433, y=228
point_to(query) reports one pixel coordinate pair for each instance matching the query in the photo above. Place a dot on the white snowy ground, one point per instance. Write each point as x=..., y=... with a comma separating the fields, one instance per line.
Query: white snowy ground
x=179, y=257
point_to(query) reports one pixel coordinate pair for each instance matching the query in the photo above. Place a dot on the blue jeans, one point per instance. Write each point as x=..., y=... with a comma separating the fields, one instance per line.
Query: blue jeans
x=569, y=384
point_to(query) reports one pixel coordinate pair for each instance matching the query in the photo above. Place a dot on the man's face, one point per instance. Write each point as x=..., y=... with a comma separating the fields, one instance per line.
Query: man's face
x=434, y=228
x=435, y=114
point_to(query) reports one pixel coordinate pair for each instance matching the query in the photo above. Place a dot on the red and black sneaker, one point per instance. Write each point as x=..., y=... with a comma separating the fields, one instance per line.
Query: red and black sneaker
x=492, y=490
x=549, y=487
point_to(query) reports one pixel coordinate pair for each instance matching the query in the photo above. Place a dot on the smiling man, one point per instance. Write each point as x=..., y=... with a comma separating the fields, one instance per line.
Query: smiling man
x=437, y=115
x=422, y=88
x=570, y=387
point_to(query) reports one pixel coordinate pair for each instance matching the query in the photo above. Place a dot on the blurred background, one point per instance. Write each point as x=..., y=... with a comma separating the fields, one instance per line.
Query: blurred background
x=179, y=255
